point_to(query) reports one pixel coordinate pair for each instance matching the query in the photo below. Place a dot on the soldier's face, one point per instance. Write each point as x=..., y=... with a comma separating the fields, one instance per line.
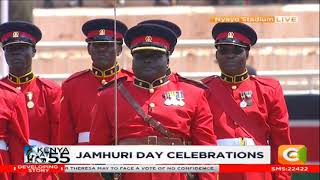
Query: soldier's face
x=103, y=54
x=19, y=56
x=231, y=59
x=149, y=65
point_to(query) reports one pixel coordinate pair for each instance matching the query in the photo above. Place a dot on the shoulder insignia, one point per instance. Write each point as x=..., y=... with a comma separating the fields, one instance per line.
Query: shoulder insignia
x=49, y=83
x=208, y=79
x=8, y=87
x=266, y=81
x=77, y=74
x=193, y=82
x=121, y=79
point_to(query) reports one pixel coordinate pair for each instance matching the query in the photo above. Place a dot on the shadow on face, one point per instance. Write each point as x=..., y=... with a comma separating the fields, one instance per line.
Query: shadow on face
x=103, y=54
x=19, y=56
x=232, y=59
x=150, y=65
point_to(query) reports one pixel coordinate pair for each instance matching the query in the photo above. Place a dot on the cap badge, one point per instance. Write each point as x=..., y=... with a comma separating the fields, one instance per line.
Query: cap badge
x=102, y=32
x=15, y=34
x=230, y=35
x=148, y=39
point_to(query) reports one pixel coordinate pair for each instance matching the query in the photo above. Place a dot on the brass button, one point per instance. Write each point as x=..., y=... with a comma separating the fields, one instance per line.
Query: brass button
x=234, y=87
x=103, y=82
x=18, y=88
x=152, y=105
x=151, y=90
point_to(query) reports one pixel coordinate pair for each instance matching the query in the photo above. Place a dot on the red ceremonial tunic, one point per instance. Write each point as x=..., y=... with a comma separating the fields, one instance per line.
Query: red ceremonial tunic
x=79, y=93
x=14, y=127
x=42, y=98
x=266, y=112
x=191, y=120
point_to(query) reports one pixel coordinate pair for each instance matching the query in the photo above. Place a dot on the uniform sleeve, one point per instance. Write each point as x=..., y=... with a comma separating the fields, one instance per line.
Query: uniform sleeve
x=18, y=130
x=202, y=130
x=53, y=106
x=279, y=125
x=67, y=134
x=201, y=127
x=100, y=132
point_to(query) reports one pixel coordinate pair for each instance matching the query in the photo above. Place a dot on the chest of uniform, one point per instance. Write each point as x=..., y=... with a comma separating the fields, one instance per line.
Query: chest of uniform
x=165, y=105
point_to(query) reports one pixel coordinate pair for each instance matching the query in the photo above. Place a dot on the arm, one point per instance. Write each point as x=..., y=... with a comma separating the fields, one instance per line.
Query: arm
x=18, y=136
x=53, y=106
x=279, y=125
x=67, y=134
x=100, y=132
x=202, y=130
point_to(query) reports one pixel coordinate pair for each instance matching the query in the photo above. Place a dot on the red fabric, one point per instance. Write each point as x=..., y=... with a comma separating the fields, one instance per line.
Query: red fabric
x=13, y=127
x=6, y=36
x=193, y=121
x=268, y=114
x=155, y=39
x=236, y=35
x=107, y=33
x=43, y=117
x=79, y=94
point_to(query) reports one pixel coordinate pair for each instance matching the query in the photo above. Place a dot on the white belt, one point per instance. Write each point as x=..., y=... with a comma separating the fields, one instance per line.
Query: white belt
x=84, y=137
x=236, y=142
x=33, y=142
x=3, y=145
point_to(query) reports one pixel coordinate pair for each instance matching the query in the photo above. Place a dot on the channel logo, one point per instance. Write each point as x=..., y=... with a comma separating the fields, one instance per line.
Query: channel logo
x=292, y=154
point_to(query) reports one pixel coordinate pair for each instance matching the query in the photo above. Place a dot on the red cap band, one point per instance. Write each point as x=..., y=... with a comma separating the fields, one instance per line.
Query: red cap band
x=104, y=32
x=151, y=39
x=234, y=35
x=6, y=36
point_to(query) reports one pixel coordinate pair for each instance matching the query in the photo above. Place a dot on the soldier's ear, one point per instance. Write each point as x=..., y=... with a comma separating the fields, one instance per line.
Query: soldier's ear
x=34, y=51
x=247, y=53
x=119, y=50
x=88, y=48
x=216, y=54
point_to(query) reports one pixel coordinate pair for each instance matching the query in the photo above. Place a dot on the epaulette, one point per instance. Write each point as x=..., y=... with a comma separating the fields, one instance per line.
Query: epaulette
x=77, y=74
x=108, y=84
x=266, y=81
x=49, y=83
x=208, y=79
x=193, y=82
x=8, y=87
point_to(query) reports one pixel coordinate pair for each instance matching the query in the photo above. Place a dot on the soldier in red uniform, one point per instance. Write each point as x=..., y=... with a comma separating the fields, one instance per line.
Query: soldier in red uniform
x=247, y=110
x=14, y=128
x=177, y=104
x=42, y=95
x=80, y=89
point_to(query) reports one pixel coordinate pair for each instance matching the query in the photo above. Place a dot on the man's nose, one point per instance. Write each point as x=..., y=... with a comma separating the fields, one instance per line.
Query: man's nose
x=147, y=60
x=229, y=55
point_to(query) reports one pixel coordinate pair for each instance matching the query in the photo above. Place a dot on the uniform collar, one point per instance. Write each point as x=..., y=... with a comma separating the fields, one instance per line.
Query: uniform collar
x=106, y=73
x=235, y=79
x=21, y=79
x=156, y=83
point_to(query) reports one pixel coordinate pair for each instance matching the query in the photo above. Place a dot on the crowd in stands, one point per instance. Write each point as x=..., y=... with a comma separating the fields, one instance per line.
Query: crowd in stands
x=81, y=3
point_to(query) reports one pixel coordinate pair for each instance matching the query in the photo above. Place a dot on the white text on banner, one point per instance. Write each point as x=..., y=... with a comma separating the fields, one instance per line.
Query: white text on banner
x=143, y=154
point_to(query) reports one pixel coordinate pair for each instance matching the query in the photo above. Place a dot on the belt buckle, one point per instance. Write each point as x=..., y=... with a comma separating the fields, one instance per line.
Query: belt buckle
x=243, y=141
x=152, y=140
